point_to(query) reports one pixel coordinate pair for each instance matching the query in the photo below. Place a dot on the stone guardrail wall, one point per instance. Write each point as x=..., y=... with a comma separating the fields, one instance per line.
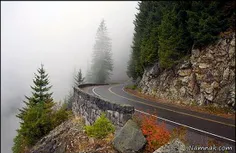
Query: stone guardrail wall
x=90, y=107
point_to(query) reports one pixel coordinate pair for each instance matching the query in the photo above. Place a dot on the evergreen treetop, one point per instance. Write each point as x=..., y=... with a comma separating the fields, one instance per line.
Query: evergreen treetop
x=40, y=93
x=79, y=78
x=102, y=63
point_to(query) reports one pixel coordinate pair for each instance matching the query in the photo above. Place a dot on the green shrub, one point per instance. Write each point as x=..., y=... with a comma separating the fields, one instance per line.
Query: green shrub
x=61, y=115
x=101, y=128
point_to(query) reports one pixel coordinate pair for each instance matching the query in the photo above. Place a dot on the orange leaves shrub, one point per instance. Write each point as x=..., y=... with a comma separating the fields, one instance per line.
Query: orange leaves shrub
x=156, y=134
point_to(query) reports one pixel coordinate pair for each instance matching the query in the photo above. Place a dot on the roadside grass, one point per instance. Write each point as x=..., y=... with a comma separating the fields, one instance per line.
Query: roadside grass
x=113, y=83
x=218, y=110
x=132, y=87
x=180, y=133
x=193, y=106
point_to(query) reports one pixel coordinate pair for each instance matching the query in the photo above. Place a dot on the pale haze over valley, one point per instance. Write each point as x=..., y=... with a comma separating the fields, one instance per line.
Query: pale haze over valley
x=60, y=35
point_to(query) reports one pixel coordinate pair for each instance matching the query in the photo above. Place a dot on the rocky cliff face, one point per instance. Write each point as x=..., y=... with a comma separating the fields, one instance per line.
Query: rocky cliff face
x=70, y=137
x=207, y=77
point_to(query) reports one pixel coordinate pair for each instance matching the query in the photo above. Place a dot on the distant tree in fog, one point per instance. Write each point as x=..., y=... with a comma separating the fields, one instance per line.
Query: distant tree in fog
x=102, y=63
x=79, y=78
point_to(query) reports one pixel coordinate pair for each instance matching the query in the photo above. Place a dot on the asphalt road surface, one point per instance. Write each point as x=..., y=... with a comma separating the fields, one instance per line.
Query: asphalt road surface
x=219, y=128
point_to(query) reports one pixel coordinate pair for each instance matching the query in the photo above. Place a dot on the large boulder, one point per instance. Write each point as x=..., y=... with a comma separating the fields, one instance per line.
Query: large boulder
x=174, y=146
x=129, y=139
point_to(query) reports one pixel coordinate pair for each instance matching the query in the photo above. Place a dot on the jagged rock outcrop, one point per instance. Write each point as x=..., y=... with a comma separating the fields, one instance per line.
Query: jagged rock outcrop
x=129, y=139
x=207, y=77
x=70, y=137
x=58, y=139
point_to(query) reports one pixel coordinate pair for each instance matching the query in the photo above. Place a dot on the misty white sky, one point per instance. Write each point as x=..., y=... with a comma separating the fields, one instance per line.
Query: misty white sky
x=60, y=35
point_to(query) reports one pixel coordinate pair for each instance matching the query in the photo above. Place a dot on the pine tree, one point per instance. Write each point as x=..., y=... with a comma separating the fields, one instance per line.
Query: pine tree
x=168, y=39
x=185, y=42
x=149, y=43
x=102, y=64
x=140, y=23
x=206, y=21
x=145, y=40
x=40, y=92
x=79, y=78
x=38, y=122
x=131, y=67
x=42, y=87
x=36, y=115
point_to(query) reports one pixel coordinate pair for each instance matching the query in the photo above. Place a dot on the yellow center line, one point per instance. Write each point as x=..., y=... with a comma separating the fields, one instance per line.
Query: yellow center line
x=137, y=101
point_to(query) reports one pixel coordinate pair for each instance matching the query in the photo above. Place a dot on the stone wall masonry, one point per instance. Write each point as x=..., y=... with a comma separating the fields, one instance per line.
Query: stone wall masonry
x=91, y=107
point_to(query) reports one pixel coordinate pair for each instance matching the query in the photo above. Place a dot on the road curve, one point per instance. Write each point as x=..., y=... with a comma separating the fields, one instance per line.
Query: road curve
x=213, y=126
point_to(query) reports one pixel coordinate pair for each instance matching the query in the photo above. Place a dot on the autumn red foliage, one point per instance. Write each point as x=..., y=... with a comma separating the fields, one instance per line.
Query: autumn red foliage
x=155, y=133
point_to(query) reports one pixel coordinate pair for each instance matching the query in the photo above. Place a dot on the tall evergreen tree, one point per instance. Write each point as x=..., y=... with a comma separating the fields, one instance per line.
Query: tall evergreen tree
x=38, y=117
x=149, y=43
x=78, y=78
x=168, y=38
x=173, y=38
x=206, y=21
x=102, y=64
x=35, y=116
x=131, y=67
x=185, y=42
x=40, y=91
x=140, y=24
